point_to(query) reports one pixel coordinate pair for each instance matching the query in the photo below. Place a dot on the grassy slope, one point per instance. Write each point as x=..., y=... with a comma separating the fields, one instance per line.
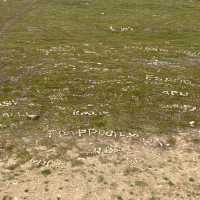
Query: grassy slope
x=61, y=48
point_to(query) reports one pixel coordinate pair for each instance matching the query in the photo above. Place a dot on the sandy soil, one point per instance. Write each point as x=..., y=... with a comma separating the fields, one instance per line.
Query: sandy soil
x=130, y=169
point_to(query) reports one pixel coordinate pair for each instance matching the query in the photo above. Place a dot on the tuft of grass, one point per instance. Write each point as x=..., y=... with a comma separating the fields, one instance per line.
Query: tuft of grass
x=141, y=183
x=100, y=179
x=46, y=172
x=119, y=197
x=191, y=179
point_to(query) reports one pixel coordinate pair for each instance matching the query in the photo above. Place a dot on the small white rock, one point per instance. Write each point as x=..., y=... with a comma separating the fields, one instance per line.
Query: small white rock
x=192, y=123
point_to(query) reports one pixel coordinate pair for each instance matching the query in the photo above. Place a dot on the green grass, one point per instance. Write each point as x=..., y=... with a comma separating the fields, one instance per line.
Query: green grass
x=46, y=172
x=60, y=56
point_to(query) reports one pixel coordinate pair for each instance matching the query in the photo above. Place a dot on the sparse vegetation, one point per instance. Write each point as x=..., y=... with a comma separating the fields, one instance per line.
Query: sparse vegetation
x=140, y=183
x=46, y=172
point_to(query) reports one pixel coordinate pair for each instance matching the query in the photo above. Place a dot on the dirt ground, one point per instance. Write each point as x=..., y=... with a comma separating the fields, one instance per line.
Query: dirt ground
x=129, y=169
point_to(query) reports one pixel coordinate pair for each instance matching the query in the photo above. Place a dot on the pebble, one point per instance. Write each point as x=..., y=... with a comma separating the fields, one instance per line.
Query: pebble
x=32, y=117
